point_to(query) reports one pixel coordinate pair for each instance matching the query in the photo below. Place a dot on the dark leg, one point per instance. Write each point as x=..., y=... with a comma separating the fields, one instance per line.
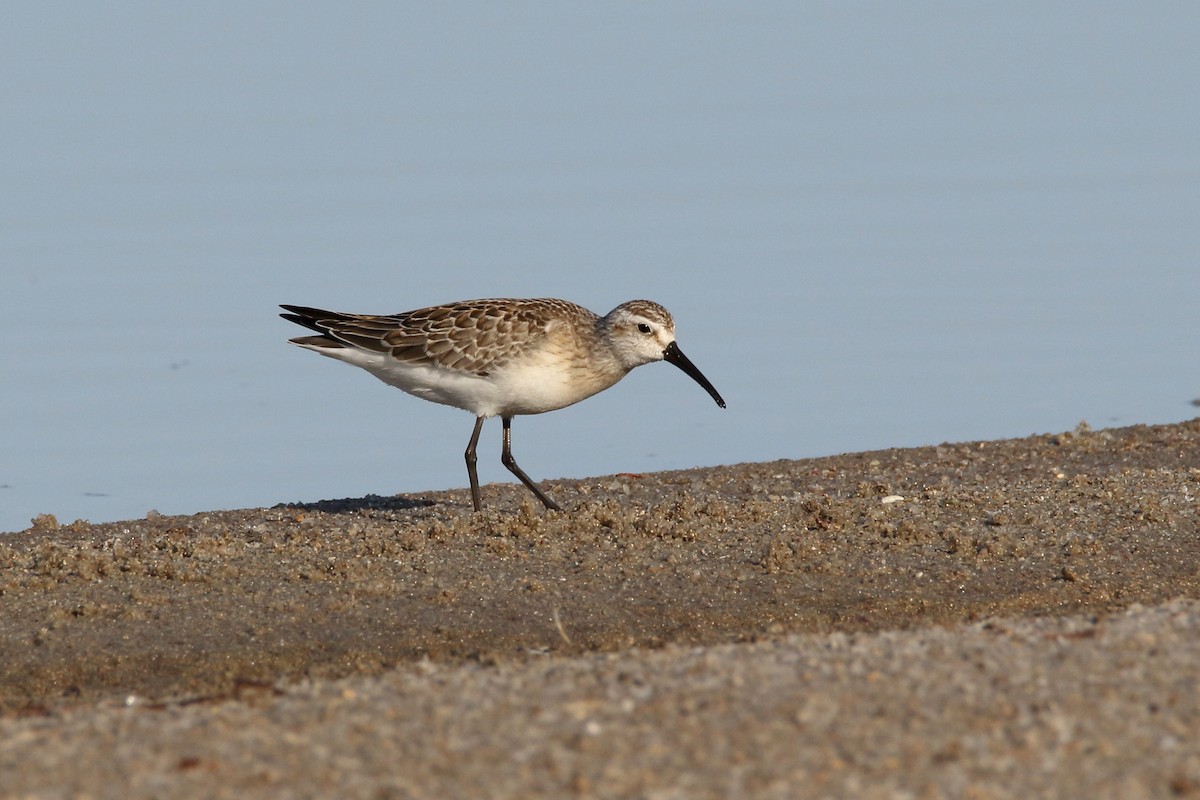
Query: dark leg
x=470, y=454
x=506, y=458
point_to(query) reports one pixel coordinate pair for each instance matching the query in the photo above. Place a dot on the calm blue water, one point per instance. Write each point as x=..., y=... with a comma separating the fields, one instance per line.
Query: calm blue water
x=877, y=224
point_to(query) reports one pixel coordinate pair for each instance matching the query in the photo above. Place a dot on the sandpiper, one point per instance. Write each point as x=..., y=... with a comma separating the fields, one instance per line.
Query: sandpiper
x=500, y=357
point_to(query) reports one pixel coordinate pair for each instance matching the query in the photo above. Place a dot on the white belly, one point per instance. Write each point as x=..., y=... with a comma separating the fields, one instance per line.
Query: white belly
x=530, y=386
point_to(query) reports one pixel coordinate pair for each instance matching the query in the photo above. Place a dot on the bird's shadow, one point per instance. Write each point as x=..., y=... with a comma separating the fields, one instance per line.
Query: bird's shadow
x=370, y=502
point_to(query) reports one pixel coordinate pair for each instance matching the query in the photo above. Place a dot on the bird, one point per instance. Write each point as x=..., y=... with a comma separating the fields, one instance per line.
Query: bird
x=502, y=357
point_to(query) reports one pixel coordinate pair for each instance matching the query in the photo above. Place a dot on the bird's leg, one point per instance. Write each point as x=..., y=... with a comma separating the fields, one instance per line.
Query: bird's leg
x=506, y=458
x=470, y=454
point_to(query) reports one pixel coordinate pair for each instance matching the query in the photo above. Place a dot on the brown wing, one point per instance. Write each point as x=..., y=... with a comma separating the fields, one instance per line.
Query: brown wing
x=473, y=336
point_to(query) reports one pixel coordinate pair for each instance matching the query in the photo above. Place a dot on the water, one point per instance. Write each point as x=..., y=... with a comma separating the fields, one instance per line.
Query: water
x=877, y=225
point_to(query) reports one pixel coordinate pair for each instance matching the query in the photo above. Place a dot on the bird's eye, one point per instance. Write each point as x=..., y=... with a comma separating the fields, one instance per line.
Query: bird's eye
x=643, y=327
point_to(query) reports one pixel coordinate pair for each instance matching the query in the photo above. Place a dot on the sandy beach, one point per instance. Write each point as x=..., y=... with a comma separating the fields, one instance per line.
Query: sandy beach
x=1016, y=618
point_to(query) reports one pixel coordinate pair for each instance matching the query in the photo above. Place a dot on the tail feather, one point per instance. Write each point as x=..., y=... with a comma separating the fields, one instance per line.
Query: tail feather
x=314, y=319
x=338, y=330
x=318, y=342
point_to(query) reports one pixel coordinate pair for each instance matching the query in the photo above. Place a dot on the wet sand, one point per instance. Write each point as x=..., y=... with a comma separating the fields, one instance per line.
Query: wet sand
x=993, y=619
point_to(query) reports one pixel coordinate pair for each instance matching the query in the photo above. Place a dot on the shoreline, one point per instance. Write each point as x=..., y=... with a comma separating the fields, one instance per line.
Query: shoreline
x=1085, y=546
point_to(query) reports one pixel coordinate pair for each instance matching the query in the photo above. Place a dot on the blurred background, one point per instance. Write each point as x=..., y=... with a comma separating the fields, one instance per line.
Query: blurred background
x=877, y=225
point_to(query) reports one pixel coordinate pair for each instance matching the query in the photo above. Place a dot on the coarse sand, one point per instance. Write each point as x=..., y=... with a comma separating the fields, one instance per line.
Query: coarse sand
x=993, y=619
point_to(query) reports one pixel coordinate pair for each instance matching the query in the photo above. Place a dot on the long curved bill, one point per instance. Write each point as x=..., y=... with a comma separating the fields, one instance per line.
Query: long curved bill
x=675, y=356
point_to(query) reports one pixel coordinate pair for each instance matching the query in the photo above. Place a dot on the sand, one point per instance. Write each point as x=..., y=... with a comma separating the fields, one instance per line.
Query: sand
x=992, y=619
